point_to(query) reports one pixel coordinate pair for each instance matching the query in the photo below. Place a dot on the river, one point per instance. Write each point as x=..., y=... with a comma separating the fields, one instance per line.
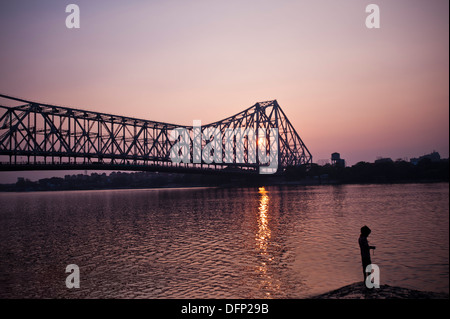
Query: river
x=266, y=242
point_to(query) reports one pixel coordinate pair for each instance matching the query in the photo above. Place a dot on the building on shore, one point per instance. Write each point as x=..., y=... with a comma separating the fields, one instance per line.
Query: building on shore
x=336, y=160
x=433, y=157
x=383, y=160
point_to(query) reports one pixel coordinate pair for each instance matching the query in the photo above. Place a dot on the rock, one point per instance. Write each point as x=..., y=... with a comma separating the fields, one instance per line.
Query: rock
x=359, y=291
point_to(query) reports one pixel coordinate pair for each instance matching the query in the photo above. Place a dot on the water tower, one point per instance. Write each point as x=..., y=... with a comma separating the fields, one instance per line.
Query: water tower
x=336, y=160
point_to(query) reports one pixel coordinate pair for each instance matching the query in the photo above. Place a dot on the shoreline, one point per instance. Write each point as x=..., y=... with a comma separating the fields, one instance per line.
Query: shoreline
x=358, y=290
x=11, y=188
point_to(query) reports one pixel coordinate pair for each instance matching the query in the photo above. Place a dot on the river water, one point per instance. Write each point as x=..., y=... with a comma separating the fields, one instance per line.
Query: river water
x=272, y=242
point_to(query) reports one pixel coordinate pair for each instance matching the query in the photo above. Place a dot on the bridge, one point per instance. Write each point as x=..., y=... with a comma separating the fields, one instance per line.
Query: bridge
x=37, y=136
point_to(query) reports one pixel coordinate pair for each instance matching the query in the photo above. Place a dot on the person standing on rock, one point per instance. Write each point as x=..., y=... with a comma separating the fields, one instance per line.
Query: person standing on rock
x=365, y=249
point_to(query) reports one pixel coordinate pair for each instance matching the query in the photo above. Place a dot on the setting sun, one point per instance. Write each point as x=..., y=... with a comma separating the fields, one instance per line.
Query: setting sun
x=262, y=141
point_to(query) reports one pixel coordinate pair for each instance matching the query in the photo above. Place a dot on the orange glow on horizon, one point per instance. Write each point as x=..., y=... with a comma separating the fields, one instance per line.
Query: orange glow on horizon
x=363, y=93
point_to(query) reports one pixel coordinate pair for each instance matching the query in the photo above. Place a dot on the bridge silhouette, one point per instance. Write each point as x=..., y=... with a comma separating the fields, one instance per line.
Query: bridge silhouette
x=37, y=136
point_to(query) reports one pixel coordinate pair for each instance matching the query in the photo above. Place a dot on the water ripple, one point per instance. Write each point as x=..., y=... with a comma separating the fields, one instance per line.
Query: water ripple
x=275, y=242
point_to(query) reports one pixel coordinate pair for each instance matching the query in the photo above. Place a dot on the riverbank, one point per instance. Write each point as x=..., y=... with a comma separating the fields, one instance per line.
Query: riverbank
x=144, y=180
x=398, y=172
x=359, y=291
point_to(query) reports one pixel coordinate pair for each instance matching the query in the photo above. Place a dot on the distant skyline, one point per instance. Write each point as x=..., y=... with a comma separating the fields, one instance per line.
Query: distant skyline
x=362, y=92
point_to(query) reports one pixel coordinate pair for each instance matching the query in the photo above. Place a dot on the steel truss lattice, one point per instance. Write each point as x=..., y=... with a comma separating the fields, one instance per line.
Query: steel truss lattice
x=41, y=136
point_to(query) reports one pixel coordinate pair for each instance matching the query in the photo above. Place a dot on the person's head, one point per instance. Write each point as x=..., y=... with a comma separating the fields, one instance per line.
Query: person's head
x=365, y=231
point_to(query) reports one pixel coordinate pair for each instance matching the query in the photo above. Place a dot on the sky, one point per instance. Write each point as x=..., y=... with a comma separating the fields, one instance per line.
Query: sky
x=364, y=93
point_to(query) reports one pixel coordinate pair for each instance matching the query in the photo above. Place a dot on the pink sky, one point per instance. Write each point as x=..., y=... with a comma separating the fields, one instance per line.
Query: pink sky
x=361, y=92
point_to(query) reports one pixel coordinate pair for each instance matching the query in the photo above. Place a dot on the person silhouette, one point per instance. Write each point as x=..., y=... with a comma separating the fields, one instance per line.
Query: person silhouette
x=365, y=249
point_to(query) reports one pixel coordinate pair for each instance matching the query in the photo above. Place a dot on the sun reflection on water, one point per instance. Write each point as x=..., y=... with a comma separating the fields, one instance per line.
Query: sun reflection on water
x=263, y=237
x=263, y=222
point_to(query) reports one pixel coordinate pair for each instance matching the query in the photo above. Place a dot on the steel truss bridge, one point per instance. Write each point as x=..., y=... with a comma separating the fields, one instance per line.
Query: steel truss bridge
x=36, y=136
